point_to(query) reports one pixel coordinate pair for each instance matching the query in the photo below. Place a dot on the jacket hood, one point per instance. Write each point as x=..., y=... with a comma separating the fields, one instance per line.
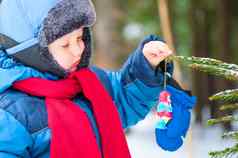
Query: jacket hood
x=24, y=20
x=11, y=71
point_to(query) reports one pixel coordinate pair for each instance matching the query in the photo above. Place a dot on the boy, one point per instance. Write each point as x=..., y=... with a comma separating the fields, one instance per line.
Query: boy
x=52, y=104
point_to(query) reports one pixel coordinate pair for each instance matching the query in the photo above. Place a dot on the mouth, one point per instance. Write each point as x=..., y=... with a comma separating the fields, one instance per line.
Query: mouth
x=74, y=66
x=73, y=69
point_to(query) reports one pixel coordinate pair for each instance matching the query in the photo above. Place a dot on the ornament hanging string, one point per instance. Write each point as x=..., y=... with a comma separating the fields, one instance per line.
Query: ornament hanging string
x=164, y=107
x=165, y=73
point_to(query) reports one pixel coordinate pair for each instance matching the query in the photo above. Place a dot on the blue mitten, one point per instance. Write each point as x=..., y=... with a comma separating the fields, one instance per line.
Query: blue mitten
x=180, y=122
x=167, y=143
x=171, y=138
x=182, y=104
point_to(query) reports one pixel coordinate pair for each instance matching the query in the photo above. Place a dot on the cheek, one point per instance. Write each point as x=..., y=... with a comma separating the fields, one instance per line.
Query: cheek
x=76, y=49
x=63, y=58
x=81, y=46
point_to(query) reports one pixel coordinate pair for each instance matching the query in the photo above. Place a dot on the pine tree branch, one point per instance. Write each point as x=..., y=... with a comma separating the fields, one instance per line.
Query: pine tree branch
x=222, y=119
x=197, y=60
x=226, y=96
x=229, y=107
x=206, y=61
x=225, y=153
x=211, y=66
x=233, y=135
x=216, y=70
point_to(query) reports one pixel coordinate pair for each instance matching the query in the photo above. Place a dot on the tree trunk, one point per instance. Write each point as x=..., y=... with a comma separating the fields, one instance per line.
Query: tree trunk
x=107, y=35
x=165, y=21
x=200, y=48
x=224, y=44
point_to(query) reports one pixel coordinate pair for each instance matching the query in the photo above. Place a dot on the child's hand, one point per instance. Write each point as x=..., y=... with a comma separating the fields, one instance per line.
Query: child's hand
x=156, y=51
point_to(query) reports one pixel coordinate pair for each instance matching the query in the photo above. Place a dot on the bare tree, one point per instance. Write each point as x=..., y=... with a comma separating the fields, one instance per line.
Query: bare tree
x=107, y=35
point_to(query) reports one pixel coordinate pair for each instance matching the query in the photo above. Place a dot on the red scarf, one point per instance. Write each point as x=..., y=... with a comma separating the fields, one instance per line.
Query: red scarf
x=72, y=134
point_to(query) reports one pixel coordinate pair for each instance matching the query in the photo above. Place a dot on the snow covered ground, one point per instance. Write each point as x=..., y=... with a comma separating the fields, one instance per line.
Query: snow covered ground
x=198, y=142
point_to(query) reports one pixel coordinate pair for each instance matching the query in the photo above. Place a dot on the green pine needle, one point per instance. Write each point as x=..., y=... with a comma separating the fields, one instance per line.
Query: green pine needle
x=198, y=60
x=226, y=96
x=206, y=61
x=228, y=152
x=217, y=71
x=233, y=134
x=211, y=66
x=229, y=107
x=222, y=119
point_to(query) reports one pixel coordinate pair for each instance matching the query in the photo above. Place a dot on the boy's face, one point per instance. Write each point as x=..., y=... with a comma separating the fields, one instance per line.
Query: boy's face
x=67, y=50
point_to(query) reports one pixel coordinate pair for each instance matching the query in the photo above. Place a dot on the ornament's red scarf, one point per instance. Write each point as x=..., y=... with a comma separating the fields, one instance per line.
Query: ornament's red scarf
x=72, y=135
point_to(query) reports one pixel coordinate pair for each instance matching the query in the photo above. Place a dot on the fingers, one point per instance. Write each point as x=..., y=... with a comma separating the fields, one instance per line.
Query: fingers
x=158, y=47
x=156, y=51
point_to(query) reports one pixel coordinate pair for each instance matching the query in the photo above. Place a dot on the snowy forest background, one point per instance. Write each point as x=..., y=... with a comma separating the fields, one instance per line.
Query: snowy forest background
x=199, y=28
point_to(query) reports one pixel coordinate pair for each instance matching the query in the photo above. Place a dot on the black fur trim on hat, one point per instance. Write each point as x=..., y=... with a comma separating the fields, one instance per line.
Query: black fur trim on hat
x=87, y=39
x=65, y=17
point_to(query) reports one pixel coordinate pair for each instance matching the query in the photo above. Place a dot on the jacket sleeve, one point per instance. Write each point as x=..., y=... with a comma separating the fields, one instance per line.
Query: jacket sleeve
x=136, y=86
x=14, y=139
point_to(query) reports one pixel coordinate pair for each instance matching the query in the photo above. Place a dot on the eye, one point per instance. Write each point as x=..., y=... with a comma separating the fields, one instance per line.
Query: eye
x=64, y=44
x=80, y=38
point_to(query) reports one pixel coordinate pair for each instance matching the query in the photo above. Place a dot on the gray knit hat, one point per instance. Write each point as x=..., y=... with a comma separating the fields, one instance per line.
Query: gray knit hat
x=65, y=17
